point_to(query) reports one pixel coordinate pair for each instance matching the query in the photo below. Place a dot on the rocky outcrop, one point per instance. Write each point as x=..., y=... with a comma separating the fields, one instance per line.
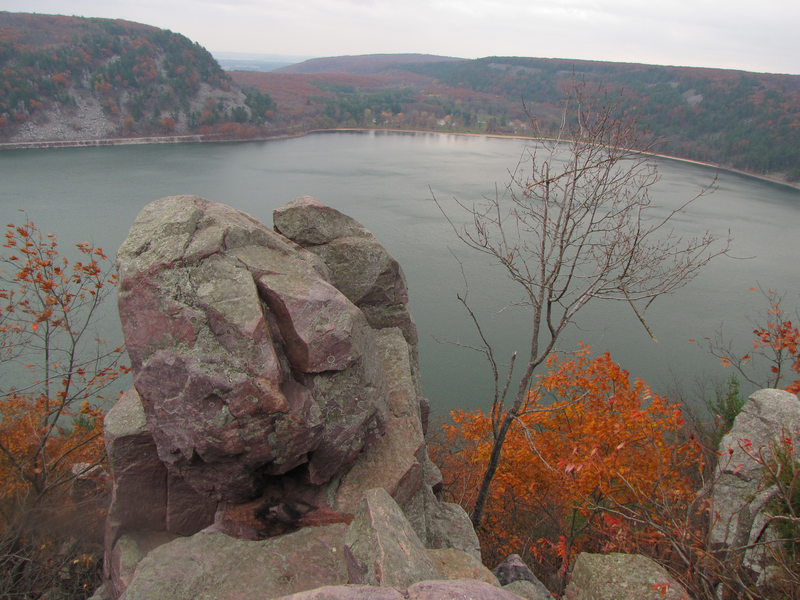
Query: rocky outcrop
x=513, y=571
x=214, y=565
x=359, y=266
x=742, y=493
x=457, y=564
x=621, y=577
x=381, y=547
x=276, y=407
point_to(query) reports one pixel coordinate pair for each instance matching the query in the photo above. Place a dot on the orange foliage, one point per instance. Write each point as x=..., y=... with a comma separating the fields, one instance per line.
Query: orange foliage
x=49, y=422
x=61, y=79
x=776, y=345
x=782, y=338
x=167, y=125
x=567, y=469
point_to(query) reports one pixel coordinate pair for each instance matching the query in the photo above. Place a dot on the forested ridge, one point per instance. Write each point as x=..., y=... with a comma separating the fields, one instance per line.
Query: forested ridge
x=153, y=82
x=746, y=121
x=147, y=80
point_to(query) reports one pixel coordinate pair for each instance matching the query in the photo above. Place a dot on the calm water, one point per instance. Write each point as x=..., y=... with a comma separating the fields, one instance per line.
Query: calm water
x=384, y=180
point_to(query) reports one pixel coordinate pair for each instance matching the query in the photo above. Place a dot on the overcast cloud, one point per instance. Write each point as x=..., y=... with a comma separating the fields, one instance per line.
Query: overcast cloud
x=733, y=34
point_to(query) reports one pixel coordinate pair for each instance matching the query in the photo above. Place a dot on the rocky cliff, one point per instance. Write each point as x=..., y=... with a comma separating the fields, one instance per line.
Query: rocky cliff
x=273, y=442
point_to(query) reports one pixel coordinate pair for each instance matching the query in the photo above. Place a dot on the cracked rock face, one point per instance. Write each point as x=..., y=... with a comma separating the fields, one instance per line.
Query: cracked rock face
x=248, y=361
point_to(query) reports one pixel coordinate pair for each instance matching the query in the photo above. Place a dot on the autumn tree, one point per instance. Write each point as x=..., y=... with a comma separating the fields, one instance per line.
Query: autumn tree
x=55, y=370
x=593, y=450
x=574, y=226
x=774, y=357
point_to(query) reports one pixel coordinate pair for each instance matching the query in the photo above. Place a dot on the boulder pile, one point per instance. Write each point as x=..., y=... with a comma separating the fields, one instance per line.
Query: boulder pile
x=273, y=442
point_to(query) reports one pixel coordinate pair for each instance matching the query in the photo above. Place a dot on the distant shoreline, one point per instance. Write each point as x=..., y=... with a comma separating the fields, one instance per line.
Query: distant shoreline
x=199, y=138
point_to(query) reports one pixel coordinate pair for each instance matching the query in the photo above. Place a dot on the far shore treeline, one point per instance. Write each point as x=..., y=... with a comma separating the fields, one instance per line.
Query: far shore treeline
x=153, y=82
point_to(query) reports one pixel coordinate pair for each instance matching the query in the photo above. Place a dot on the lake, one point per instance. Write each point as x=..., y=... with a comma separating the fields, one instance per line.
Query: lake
x=385, y=180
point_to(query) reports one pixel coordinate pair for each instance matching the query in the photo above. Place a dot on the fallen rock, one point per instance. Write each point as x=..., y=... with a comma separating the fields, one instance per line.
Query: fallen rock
x=214, y=565
x=456, y=564
x=450, y=527
x=459, y=589
x=514, y=569
x=528, y=591
x=128, y=552
x=393, y=463
x=359, y=266
x=741, y=494
x=348, y=592
x=382, y=548
x=621, y=577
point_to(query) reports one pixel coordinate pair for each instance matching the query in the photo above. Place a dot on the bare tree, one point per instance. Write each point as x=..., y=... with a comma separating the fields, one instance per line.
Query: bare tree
x=579, y=225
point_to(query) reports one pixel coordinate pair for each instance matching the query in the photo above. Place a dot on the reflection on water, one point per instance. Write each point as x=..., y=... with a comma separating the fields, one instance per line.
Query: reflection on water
x=385, y=181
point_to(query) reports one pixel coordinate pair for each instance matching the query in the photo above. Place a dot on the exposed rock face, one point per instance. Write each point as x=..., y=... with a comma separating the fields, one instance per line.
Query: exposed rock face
x=621, y=577
x=528, y=591
x=741, y=494
x=513, y=570
x=382, y=548
x=359, y=266
x=457, y=564
x=214, y=565
x=248, y=361
x=459, y=589
x=276, y=395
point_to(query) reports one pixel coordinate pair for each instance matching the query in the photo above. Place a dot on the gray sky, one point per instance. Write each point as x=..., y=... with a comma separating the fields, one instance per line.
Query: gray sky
x=735, y=34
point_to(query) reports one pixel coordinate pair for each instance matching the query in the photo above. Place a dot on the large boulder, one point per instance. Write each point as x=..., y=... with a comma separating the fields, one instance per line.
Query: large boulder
x=741, y=493
x=459, y=589
x=359, y=266
x=272, y=398
x=382, y=548
x=621, y=577
x=513, y=570
x=213, y=565
x=457, y=564
x=248, y=361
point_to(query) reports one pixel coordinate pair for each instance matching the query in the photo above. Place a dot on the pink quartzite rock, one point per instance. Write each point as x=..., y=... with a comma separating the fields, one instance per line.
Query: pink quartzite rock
x=513, y=569
x=359, y=266
x=458, y=589
x=347, y=592
x=457, y=564
x=744, y=497
x=381, y=547
x=621, y=577
x=236, y=340
x=213, y=565
x=128, y=552
x=145, y=496
x=394, y=462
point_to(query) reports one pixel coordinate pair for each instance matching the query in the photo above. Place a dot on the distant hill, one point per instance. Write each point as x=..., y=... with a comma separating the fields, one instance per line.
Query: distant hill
x=747, y=121
x=71, y=78
x=248, y=61
x=363, y=65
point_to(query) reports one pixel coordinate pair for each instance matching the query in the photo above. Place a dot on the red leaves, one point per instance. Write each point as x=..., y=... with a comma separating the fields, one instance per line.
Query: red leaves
x=592, y=437
x=46, y=306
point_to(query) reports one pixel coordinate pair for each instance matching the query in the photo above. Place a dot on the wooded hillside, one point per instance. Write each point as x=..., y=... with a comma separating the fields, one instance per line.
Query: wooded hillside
x=747, y=121
x=146, y=80
x=60, y=76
